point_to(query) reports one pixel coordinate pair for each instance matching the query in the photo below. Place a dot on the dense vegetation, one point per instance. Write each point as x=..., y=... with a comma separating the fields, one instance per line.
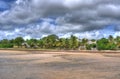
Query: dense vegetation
x=72, y=43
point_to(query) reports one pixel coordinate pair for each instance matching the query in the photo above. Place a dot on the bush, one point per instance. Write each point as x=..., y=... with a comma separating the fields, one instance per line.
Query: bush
x=104, y=44
x=6, y=45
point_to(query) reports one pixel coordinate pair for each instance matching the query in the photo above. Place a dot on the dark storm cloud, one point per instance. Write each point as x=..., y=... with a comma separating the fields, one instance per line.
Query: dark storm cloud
x=69, y=15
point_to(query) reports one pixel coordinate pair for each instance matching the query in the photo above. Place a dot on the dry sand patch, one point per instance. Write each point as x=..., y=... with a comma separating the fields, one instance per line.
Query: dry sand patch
x=58, y=65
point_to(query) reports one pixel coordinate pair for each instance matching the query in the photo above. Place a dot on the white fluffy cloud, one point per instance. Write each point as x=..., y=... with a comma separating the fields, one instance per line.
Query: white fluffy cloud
x=36, y=18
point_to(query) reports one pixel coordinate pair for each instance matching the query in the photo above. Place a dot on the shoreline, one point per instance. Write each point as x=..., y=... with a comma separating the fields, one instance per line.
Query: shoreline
x=59, y=51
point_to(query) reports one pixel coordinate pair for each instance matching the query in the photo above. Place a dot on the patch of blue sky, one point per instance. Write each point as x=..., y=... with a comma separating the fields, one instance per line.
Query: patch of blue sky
x=7, y=1
x=108, y=30
x=51, y=21
x=4, y=6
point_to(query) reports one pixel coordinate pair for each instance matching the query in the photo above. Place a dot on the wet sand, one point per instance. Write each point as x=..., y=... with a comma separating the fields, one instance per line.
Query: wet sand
x=58, y=65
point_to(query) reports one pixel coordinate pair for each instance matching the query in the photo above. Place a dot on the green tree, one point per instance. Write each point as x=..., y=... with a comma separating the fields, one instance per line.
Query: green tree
x=5, y=43
x=18, y=41
x=117, y=41
x=84, y=42
x=105, y=44
x=41, y=43
x=90, y=46
x=50, y=41
x=67, y=43
x=111, y=39
x=74, y=42
x=61, y=43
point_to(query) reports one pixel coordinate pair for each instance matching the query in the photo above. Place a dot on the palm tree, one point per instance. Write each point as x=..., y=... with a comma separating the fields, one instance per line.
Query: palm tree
x=111, y=39
x=84, y=42
x=117, y=40
x=74, y=42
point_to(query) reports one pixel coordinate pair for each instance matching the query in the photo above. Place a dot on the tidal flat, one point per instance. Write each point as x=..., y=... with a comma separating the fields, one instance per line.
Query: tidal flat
x=58, y=65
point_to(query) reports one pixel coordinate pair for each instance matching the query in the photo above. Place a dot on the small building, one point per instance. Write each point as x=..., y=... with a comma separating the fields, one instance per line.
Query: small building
x=94, y=46
x=91, y=42
x=25, y=45
x=82, y=47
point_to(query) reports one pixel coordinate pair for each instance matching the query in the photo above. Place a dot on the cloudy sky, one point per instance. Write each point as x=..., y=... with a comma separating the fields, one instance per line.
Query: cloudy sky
x=39, y=18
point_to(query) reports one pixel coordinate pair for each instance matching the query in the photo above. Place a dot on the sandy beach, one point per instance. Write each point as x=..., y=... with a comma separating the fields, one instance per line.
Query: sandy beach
x=58, y=65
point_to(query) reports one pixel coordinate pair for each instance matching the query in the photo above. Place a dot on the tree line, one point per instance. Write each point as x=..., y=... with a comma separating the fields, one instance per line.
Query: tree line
x=72, y=43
